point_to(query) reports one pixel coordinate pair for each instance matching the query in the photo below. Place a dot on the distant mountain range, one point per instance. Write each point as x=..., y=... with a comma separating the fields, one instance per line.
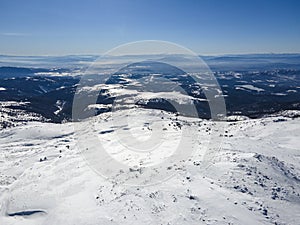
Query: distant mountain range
x=224, y=62
x=252, y=85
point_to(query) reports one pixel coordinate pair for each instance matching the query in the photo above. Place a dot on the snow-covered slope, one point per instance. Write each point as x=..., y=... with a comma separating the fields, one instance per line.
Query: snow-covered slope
x=11, y=115
x=253, y=179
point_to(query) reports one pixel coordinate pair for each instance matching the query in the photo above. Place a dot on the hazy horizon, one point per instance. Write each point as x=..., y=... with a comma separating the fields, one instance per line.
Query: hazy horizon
x=201, y=55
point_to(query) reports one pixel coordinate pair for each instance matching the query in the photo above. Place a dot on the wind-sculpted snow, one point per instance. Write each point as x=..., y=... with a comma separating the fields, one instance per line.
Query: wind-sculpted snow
x=252, y=179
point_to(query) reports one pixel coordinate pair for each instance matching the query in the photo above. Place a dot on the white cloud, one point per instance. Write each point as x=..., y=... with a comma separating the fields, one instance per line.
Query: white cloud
x=14, y=34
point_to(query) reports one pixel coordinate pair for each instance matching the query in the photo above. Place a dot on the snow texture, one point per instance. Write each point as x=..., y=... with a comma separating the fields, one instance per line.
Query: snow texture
x=253, y=179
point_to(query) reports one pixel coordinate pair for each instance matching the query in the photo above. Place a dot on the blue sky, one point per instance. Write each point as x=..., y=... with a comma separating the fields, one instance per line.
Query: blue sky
x=60, y=27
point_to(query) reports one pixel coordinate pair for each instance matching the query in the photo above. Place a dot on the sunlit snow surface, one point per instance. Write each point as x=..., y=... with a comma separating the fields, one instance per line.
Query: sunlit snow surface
x=253, y=179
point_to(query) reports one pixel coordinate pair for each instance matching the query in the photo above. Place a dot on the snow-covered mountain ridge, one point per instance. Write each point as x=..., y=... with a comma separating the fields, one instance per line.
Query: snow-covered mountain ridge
x=253, y=179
